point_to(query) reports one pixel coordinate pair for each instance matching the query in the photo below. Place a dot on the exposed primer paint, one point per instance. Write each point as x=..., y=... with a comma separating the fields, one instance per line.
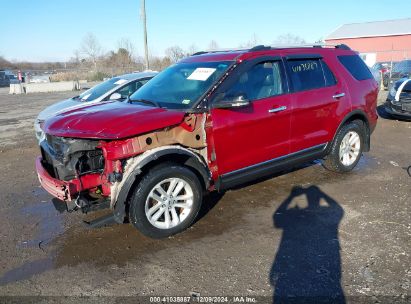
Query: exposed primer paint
x=189, y=136
x=133, y=166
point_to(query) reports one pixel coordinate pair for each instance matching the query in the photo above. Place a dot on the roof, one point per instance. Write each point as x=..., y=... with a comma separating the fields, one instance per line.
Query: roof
x=214, y=56
x=243, y=54
x=138, y=75
x=372, y=29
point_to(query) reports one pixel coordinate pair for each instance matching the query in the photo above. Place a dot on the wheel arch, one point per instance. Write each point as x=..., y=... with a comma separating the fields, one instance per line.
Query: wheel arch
x=177, y=155
x=356, y=115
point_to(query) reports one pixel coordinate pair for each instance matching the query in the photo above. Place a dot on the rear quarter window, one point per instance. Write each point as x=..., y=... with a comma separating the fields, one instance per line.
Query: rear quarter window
x=328, y=75
x=356, y=66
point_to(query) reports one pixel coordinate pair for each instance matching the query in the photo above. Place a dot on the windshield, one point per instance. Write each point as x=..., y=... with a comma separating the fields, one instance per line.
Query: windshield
x=180, y=86
x=100, y=89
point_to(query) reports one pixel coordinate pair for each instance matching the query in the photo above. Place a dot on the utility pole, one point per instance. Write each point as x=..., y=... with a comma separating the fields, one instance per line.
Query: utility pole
x=143, y=13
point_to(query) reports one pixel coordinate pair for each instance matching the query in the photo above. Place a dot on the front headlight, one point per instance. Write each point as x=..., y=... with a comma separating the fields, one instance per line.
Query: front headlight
x=38, y=128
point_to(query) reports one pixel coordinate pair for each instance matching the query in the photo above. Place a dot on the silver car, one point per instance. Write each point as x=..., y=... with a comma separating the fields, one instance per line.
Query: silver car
x=116, y=88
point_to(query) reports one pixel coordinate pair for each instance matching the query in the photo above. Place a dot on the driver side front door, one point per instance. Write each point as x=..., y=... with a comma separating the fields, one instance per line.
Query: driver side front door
x=246, y=138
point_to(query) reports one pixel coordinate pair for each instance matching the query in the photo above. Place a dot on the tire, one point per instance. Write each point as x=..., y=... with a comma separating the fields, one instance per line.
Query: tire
x=337, y=160
x=145, y=209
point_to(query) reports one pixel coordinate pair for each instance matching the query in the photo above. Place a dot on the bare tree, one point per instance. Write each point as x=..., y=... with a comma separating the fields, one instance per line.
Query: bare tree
x=91, y=47
x=289, y=39
x=126, y=44
x=254, y=40
x=175, y=53
x=192, y=49
x=213, y=45
x=158, y=63
x=5, y=64
x=320, y=40
x=76, y=59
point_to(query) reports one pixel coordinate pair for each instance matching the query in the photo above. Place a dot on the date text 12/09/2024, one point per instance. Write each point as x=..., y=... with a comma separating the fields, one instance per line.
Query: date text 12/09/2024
x=202, y=299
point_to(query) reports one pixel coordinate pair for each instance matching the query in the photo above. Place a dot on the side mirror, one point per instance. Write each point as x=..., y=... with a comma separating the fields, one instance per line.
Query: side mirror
x=115, y=96
x=232, y=102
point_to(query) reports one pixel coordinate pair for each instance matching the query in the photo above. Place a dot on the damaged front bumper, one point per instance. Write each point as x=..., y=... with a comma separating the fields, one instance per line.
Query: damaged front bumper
x=398, y=109
x=65, y=190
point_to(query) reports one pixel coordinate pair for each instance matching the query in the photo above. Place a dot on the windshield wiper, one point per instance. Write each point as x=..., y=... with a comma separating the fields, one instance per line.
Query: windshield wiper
x=149, y=102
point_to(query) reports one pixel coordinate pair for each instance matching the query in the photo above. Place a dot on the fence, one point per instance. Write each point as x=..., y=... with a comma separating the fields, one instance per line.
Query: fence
x=389, y=56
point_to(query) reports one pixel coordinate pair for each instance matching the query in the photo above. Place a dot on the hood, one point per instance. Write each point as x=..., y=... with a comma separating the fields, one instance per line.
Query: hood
x=111, y=120
x=58, y=107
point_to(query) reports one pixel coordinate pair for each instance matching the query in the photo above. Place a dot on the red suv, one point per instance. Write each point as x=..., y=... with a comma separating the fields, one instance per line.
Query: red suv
x=210, y=122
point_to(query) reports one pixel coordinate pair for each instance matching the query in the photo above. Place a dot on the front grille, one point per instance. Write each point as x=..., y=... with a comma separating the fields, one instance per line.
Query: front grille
x=55, y=143
x=401, y=107
x=65, y=158
x=48, y=163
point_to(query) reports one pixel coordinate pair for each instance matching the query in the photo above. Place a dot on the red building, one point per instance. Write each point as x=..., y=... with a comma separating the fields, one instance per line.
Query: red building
x=376, y=41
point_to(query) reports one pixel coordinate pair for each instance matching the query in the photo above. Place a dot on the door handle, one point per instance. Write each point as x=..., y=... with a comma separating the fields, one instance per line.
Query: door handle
x=337, y=96
x=279, y=109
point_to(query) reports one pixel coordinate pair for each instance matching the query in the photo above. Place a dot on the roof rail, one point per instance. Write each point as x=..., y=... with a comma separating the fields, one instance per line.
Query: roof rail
x=260, y=48
x=342, y=47
x=313, y=45
x=278, y=46
x=221, y=50
x=199, y=53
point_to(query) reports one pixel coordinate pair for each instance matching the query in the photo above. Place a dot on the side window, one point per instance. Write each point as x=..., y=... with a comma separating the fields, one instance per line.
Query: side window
x=306, y=74
x=328, y=75
x=131, y=88
x=357, y=68
x=261, y=81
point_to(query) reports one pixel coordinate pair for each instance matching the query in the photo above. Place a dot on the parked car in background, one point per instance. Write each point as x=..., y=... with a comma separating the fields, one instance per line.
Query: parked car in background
x=384, y=68
x=401, y=70
x=213, y=121
x=398, y=102
x=6, y=78
x=39, y=79
x=116, y=88
x=377, y=76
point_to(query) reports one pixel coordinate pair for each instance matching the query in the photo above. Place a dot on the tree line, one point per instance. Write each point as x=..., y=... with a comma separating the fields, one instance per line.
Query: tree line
x=91, y=62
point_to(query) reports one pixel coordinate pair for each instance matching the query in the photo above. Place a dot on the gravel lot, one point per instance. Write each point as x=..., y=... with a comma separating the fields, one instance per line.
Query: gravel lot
x=307, y=232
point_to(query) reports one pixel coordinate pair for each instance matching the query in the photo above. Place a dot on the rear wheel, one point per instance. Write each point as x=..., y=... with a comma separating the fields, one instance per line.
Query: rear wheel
x=347, y=148
x=166, y=201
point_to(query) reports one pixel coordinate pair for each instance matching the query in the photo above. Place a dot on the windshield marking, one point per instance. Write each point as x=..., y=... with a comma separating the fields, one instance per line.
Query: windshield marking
x=201, y=74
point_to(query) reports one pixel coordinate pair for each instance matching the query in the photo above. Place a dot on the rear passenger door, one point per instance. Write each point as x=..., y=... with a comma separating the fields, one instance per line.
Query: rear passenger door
x=315, y=97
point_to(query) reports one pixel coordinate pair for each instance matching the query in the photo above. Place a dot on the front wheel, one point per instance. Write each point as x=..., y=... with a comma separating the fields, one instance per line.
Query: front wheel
x=166, y=201
x=347, y=148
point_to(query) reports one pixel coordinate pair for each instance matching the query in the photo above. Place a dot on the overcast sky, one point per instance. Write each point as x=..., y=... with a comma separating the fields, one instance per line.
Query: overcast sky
x=38, y=30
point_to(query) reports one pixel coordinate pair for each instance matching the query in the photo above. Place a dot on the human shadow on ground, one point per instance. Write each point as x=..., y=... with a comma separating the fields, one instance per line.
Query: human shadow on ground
x=307, y=265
